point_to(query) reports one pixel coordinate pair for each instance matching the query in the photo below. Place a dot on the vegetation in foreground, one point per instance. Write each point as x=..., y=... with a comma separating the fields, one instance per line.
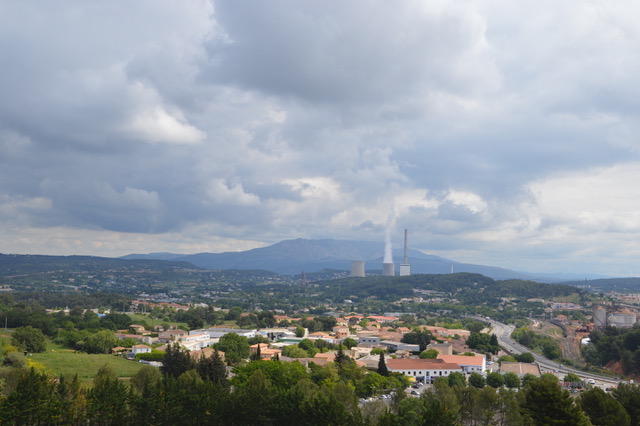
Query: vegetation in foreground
x=276, y=392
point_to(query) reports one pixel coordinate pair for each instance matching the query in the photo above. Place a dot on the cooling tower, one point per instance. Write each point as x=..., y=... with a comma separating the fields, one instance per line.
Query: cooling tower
x=388, y=269
x=357, y=268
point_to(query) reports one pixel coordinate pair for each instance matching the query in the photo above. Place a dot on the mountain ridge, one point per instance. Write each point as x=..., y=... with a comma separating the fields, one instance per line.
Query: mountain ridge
x=310, y=255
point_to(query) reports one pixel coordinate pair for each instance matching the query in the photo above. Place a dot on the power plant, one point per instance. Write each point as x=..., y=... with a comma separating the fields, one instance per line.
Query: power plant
x=388, y=267
x=405, y=267
x=357, y=268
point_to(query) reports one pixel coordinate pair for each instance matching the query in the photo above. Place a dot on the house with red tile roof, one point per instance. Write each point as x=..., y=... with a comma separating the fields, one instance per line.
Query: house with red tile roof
x=469, y=364
x=422, y=369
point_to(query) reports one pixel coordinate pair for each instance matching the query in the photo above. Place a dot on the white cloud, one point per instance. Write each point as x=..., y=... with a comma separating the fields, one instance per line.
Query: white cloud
x=222, y=193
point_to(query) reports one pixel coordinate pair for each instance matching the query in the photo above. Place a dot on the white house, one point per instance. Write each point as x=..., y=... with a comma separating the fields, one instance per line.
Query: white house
x=140, y=349
x=422, y=369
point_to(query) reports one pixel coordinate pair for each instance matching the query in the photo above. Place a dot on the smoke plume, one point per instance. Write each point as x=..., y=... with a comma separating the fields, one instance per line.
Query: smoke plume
x=388, y=248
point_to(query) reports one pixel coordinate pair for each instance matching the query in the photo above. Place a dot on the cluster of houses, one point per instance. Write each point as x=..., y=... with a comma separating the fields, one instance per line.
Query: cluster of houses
x=376, y=333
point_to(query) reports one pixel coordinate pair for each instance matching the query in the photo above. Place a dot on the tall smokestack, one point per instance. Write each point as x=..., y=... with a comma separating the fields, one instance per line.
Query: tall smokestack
x=406, y=250
x=405, y=268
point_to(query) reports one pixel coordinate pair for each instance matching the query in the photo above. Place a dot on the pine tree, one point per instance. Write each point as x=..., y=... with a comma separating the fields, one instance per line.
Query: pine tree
x=213, y=369
x=546, y=403
x=176, y=361
x=31, y=402
x=382, y=366
x=108, y=402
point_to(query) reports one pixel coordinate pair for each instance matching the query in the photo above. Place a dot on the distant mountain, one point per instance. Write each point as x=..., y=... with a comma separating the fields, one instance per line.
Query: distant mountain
x=292, y=256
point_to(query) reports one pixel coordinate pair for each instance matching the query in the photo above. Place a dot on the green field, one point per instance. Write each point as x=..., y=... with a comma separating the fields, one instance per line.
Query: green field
x=58, y=361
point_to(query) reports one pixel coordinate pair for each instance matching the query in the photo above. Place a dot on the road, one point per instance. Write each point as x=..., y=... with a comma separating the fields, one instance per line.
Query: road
x=503, y=333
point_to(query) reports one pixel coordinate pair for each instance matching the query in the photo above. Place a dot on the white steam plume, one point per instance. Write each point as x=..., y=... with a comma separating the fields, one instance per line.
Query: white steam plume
x=391, y=223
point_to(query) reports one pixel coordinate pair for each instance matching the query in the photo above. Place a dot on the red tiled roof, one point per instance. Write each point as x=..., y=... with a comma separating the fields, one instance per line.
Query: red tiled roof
x=462, y=359
x=421, y=364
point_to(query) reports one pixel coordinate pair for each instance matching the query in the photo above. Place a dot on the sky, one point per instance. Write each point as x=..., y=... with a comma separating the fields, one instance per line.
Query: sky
x=498, y=133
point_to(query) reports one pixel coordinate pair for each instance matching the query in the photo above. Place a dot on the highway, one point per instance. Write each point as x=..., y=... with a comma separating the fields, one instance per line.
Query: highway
x=503, y=333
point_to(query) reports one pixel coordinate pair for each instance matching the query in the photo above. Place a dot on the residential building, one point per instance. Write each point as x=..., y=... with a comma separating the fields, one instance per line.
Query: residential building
x=265, y=351
x=171, y=335
x=140, y=349
x=217, y=332
x=422, y=369
x=369, y=340
x=469, y=364
x=393, y=346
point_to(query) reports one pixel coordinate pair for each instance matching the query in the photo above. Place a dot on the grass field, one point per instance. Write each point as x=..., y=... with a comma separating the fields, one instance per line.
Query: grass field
x=58, y=361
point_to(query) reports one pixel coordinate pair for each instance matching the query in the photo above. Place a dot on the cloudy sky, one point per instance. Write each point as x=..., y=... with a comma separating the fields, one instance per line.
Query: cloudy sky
x=500, y=133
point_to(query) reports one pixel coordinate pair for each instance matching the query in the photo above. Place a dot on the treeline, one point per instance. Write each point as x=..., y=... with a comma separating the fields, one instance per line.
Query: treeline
x=277, y=393
x=615, y=344
x=630, y=285
x=52, y=300
x=30, y=264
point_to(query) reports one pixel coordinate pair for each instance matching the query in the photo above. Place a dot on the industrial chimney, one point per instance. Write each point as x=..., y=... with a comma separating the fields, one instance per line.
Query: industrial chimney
x=405, y=267
x=357, y=268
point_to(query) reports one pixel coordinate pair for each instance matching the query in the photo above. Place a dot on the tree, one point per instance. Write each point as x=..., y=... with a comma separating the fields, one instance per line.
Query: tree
x=382, y=366
x=234, y=346
x=146, y=377
x=528, y=378
x=195, y=323
x=545, y=403
x=31, y=401
x=108, y=401
x=603, y=409
x=100, y=342
x=213, y=369
x=572, y=377
x=294, y=351
x=476, y=380
x=176, y=361
x=349, y=343
x=441, y=405
x=506, y=358
x=429, y=354
x=457, y=379
x=29, y=339
x=525, y=357
x=511, y=380
x=551, y=350
x=495, y=379
x=629, y=396
x=309, y=346
x=420, y=338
